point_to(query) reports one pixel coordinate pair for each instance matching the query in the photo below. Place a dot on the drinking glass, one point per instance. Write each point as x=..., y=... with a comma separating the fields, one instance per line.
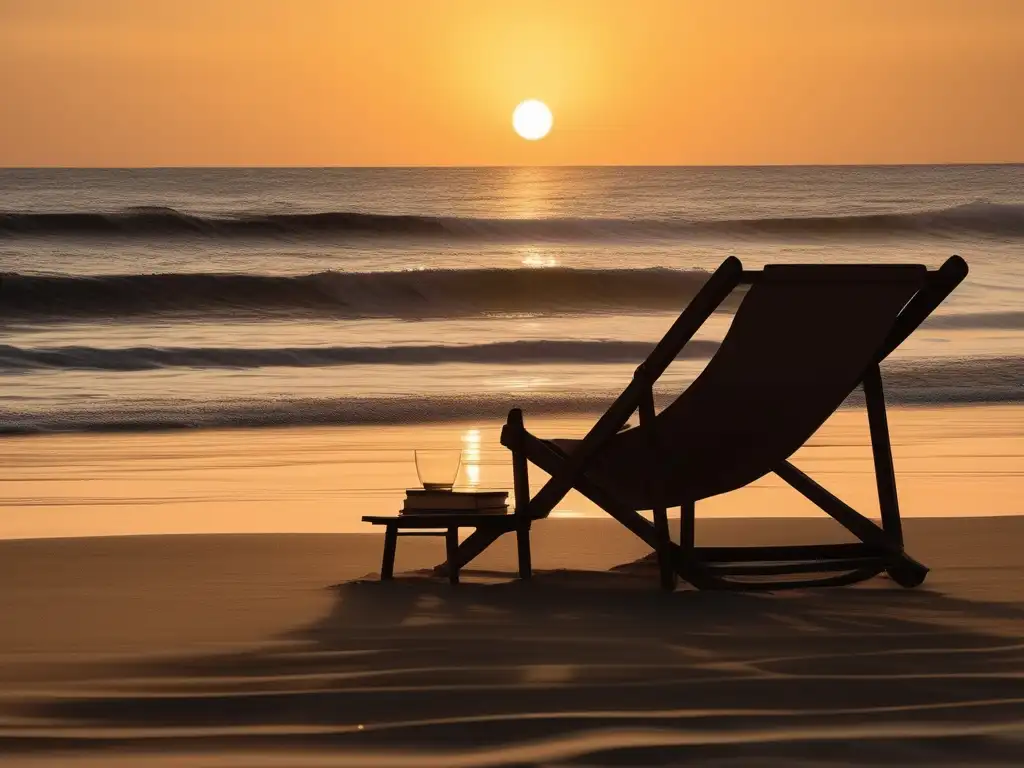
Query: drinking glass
x=437, y=468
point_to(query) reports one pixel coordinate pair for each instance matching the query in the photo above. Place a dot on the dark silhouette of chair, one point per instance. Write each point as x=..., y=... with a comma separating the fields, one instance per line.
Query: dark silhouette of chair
x=803, y=338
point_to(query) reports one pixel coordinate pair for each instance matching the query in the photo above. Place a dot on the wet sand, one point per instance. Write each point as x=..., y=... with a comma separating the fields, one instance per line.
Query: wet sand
x=949, y=461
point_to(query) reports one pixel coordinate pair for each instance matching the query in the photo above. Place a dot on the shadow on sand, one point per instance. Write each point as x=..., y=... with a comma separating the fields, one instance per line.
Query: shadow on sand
x=585, y=667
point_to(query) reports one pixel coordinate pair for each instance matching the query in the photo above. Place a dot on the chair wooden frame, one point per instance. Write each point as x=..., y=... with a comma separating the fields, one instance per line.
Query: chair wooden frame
x=879, y=547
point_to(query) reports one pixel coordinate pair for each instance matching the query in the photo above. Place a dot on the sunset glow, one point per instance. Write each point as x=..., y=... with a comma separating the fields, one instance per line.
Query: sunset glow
x=647, y=82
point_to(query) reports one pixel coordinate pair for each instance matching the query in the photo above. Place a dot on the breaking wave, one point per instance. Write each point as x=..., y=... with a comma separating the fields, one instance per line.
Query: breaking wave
x=436, y=293
x=18, y=360
x=978, y=218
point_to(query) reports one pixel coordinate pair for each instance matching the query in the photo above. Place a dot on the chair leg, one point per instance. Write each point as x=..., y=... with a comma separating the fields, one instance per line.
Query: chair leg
x=685, y=561
x=451, y=541
x=523, y=543
x=521, y=491
x=906, y=574
x=881, y=450
x=664, y=549
x=387, y=566
x=662, y=535
x=687, y=526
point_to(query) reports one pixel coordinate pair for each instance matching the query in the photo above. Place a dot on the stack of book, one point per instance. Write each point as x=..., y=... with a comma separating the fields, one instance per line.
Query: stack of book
x=422, y=502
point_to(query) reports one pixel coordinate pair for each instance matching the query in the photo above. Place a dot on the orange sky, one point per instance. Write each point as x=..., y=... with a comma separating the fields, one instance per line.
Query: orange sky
x=433, y=82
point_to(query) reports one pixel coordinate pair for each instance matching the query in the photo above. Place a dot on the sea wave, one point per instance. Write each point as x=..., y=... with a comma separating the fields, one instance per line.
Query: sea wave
x=977, y=218
x=437, y=293
x=22, y=360
x=930, y=382
x=429, y=293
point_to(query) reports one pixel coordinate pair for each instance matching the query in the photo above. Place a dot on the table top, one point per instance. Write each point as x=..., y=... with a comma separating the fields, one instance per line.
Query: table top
x=442, y=519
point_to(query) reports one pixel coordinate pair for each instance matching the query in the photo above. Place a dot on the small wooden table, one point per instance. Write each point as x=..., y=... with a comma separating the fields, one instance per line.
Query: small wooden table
x=445, y=524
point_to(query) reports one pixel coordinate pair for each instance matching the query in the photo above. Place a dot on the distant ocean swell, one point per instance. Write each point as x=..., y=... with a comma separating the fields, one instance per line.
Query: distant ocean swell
x=18, y=360
x=978, y=218
x=431, y=293
x=436, y=293
x=930, y=382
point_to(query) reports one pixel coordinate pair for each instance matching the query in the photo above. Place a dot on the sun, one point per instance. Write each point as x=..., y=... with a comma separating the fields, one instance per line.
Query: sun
x=532, y=119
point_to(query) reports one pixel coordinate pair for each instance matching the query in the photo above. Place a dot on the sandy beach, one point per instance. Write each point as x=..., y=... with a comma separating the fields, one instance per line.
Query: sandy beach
x=284, y=650
x=265, y=648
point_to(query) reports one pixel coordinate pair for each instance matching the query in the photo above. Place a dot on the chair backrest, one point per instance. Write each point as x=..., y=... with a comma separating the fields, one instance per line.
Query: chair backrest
x=800, y=342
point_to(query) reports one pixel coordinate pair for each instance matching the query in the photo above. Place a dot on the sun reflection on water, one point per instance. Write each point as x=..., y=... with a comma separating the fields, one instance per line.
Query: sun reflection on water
x=530, y=192
x=513, y=383
x=536, y=258
x=471, y=457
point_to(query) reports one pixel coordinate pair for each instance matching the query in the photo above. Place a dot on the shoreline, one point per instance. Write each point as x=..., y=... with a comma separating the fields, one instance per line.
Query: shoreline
x=470, y=409
x=961, y=461
x=949, y=462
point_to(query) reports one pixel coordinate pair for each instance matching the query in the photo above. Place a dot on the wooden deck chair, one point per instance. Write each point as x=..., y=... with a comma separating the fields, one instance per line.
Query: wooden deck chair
x=803, y=338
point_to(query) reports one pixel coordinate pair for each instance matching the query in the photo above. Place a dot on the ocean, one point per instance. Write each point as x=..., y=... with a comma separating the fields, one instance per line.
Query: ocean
x=200, y=298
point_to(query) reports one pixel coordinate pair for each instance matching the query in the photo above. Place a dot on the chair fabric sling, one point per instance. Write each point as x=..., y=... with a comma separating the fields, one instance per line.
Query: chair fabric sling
x=798, y=346
x=803, y=338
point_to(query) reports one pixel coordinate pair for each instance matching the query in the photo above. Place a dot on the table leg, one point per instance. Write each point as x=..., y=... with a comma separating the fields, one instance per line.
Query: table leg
x=451, y=540
x=387, y=566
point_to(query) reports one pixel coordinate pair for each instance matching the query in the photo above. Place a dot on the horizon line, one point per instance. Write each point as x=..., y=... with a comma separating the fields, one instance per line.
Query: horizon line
x=498, y=166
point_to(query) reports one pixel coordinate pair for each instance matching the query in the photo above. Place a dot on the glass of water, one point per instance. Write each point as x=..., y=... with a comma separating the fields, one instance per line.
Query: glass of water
x=437, y=468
